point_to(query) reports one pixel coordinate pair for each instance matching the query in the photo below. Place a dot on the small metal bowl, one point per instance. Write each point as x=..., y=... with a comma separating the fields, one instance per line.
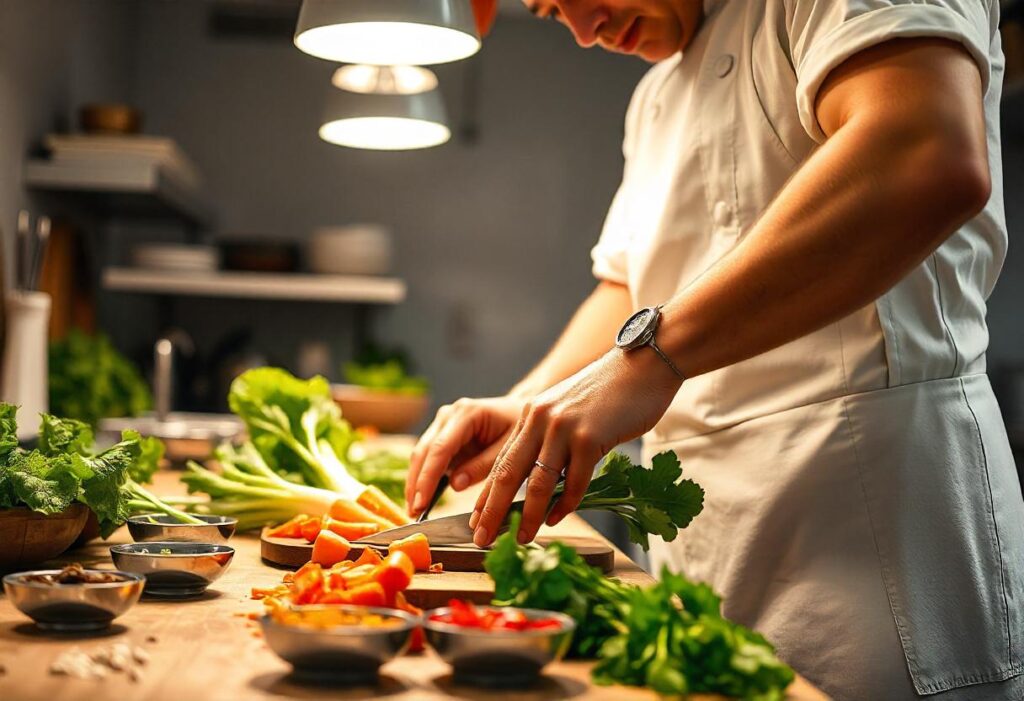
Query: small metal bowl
x=73, y=607
x=174, y=570
x=342, y=655
x=499, y=659
x=161, y=527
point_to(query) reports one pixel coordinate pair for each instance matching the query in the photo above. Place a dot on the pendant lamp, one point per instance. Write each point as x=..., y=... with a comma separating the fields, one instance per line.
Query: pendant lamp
x=389, y=108
x=388, y=32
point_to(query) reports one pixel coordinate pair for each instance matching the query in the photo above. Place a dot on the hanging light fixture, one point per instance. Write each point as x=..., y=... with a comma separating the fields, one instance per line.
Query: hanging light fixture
x=388, y=32
x=391, y=108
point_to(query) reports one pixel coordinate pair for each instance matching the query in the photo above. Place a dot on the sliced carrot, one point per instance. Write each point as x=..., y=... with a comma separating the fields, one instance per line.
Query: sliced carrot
x=369, y=594
x=395, y=573
x=357, y=575
x=310, y=529
x=342, y=566
x=436, y=567
x=329, y=548
x=351, y=512
x=288, y=529
x=334, y=597
x=349, y=530
x=369, y=556
x=381, y=504
x=417, y=548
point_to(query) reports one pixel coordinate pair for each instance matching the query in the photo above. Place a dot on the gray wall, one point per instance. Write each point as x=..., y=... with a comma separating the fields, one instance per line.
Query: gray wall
x=54, y=55
x=492, y=236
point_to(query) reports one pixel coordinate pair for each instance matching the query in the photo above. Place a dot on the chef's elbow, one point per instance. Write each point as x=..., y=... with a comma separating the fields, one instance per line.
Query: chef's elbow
x=953, y=181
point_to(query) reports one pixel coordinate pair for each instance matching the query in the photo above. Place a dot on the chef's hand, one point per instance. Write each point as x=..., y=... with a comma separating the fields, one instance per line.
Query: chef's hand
x=464, y=439
x=569, y=427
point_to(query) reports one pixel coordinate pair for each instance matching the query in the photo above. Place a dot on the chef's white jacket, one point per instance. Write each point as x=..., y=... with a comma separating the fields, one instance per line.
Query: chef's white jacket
x=863, y=509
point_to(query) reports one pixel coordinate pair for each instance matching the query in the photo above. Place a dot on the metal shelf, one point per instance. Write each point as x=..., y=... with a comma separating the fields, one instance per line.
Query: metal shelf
x=242, y=285
x=122, y=189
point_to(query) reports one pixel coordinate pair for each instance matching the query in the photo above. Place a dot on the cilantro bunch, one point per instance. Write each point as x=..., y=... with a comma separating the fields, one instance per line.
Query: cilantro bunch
x=649, y=500
x=670, y=637
x=66, y=467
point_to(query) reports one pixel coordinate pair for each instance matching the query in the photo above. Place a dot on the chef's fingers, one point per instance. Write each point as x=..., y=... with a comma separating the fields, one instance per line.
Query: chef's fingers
x=481, y=498
x=445, y=445
x=475, y=468
x=540, y=485
x=577, y=479
x=510, y=471
x=480, y=501
x=419, y=453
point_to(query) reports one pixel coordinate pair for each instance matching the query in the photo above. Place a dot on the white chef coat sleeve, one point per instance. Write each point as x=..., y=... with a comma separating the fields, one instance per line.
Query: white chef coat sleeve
x=611, y=254
x=825, y=33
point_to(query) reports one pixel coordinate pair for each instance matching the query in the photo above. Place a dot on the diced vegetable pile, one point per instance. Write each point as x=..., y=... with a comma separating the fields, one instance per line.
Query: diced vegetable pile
x=466, y=615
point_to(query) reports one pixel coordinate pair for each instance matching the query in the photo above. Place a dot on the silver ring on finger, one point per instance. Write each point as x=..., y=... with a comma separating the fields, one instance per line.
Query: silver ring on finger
x=553, y=471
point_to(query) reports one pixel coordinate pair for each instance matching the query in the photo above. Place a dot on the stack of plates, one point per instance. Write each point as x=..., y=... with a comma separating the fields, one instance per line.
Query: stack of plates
x=175, y=256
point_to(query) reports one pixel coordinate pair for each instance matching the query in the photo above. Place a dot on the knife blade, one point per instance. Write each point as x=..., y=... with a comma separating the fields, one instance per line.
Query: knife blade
x=447, y=530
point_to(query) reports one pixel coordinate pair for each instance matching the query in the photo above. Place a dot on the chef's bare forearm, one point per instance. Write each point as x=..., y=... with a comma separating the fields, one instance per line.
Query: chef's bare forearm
x=589, y=335
x=905, y=164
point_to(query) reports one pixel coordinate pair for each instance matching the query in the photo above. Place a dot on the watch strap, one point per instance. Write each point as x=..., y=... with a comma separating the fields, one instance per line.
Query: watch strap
x=668, y=361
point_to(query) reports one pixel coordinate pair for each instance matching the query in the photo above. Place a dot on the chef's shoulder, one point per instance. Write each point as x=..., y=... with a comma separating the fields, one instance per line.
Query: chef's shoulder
x=819, y=35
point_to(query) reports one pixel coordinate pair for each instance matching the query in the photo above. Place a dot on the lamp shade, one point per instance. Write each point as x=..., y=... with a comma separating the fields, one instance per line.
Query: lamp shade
x=385, y=122
x=387, y=32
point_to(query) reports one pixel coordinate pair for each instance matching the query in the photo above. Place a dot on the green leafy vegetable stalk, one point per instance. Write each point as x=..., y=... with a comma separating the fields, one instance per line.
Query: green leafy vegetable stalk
x=89, y=380
x=670, y=636
x=65, y=468
x=653, y=501
x=297, y=459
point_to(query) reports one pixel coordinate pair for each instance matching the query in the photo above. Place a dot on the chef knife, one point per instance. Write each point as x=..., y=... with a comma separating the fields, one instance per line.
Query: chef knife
x=447, y=530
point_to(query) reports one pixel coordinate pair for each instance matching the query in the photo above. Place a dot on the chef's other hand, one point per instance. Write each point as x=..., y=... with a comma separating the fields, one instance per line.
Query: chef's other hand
x=464, y=439
x=569, y=427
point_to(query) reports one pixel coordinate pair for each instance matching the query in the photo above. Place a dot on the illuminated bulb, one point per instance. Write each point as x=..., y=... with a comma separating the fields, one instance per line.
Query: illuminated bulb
x=385, y=80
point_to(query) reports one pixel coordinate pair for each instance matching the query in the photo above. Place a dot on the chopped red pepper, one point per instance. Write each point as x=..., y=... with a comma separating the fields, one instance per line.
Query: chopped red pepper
x=465, y=614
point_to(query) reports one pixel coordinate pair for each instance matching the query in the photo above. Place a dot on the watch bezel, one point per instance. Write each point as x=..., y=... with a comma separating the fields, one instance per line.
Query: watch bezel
x=646, y=332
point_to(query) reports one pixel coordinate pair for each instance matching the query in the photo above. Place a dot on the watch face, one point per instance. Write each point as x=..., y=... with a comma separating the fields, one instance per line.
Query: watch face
x=635, y=327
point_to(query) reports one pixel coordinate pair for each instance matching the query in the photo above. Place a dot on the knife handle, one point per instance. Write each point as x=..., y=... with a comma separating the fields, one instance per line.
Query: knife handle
x=442, y=484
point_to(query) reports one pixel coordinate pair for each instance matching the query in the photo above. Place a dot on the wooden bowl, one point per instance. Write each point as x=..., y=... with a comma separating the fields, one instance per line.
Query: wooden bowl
x=389, y=412
x=28, y=537
x=110, y=119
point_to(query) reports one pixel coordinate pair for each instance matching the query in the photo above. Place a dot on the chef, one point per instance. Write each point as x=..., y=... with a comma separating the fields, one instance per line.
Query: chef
x=791, y=296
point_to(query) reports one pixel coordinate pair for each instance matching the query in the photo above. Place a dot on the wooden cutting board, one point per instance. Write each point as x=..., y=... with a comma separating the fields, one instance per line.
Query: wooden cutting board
x=295, y=552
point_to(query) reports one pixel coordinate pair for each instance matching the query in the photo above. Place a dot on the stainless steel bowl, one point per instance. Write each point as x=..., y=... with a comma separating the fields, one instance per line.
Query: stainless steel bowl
x=174, y=570
x=161, y=527
x=502, y=659
x=345, y=654
x=73, y=607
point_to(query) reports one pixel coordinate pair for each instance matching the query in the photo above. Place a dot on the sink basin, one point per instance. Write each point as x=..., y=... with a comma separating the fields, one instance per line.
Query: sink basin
x=187, y=435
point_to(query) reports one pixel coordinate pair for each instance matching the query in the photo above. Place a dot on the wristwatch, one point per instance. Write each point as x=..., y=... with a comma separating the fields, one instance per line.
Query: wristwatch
x=638, y=331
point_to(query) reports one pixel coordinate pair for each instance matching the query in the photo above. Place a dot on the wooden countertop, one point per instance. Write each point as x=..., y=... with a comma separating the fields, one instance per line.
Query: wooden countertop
x=207, y=650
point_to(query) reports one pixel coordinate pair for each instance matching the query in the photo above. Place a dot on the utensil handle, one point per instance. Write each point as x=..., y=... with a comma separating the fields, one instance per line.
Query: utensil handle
x=442, y=485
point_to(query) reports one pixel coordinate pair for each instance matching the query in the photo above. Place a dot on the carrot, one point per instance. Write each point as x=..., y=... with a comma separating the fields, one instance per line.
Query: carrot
x=348, y=530
x=288, y=529
x=369, y=557
x=417, y=548
x=357, y=575
x=329, y=548
x=380, y=503
x=369, y=594
x=310, y=529
x=351, y=512
x=395, y=573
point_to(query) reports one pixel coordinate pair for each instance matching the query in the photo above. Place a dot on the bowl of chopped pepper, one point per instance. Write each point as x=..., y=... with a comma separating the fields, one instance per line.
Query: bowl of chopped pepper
x=344, y=644
x=492, y=646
